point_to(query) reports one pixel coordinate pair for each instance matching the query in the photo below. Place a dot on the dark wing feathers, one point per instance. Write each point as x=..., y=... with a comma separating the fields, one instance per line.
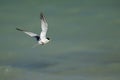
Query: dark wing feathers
x=42, y=17
x=31, y=34
x=19, y=29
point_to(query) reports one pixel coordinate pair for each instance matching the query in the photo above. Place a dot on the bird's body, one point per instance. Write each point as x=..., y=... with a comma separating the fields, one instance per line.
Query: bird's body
x=41, y=39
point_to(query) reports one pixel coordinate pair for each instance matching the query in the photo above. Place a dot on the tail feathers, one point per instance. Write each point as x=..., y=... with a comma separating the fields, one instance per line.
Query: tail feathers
x=19, y=29
x=35, y=45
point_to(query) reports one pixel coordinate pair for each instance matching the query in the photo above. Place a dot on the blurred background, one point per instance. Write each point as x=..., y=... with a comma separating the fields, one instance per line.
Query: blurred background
x=85, y=40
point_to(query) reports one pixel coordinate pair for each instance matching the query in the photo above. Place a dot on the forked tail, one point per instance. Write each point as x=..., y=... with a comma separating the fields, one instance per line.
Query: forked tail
x=35, y=45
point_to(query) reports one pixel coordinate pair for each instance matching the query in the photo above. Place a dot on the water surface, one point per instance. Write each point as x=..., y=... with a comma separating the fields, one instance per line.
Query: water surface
x=85, y=40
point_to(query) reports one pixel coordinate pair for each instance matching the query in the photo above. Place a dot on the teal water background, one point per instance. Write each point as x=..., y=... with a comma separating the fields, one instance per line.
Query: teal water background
x=85, y=40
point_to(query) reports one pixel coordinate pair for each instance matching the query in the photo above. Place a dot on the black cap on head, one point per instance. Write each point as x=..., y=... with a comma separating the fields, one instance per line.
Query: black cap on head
x=48, y=38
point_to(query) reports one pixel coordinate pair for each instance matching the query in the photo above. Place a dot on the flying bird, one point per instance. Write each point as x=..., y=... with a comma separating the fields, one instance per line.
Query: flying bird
x=41, y=39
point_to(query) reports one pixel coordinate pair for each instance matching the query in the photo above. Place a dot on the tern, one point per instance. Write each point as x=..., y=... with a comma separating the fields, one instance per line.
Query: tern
x=41, y=39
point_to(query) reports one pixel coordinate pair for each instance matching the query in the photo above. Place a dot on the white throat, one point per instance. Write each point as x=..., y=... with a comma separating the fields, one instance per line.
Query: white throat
x=42, y=42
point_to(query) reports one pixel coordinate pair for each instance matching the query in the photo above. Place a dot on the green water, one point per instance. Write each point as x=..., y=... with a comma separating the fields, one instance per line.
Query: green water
x=85, y=40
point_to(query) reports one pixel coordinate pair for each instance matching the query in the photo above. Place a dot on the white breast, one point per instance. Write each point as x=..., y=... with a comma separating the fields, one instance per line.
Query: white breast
x=43, y=41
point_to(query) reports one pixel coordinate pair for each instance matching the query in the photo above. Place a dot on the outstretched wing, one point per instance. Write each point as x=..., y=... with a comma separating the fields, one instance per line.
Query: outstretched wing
x=31, y=34
x=44, y=27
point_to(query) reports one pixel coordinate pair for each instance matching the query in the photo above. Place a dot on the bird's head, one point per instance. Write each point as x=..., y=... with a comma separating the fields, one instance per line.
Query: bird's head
x=48, y=38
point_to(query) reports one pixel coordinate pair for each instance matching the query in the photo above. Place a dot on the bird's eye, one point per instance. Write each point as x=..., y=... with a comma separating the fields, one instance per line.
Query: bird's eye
x=48, y=38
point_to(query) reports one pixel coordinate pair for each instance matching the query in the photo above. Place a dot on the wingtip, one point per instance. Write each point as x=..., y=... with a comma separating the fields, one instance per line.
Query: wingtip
x=41, y=15
x=19, y=29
